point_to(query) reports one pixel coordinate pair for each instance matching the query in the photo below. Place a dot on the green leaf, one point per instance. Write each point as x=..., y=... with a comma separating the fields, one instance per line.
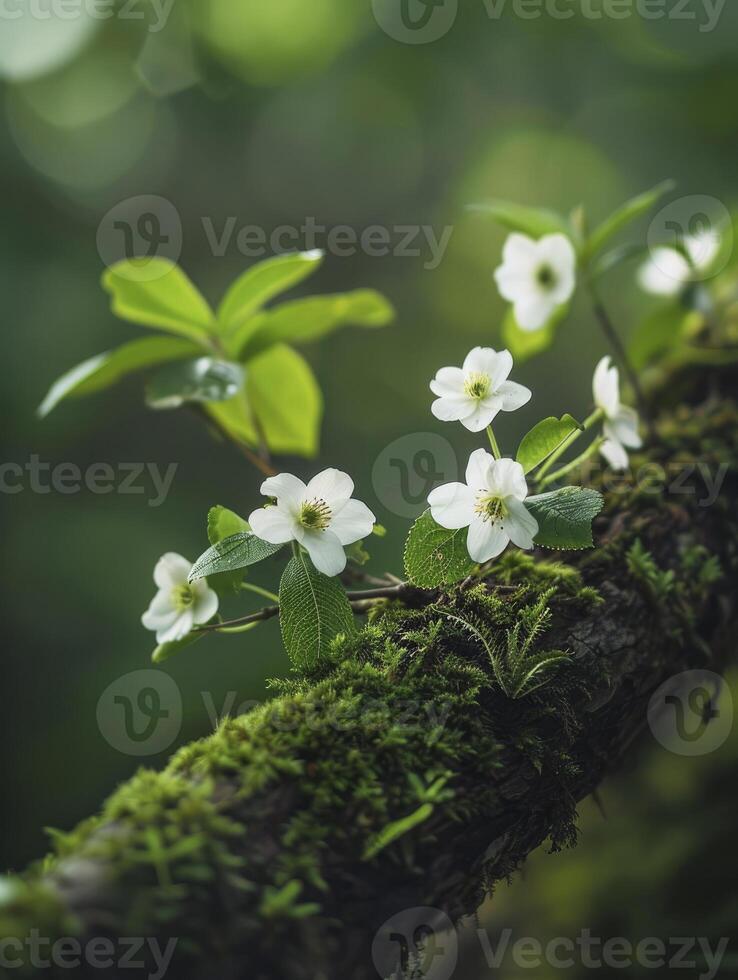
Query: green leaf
x=304, y=320
x=202, y=380
x=263, y=282
x=282, y=392
x=165, y=651
x=524, y=344
x=535, y=222
x=434, y=555
x=222, y=523
x=625, y=214
x=157, y=293
x=565, y=517
x=660, y=330
x=313, y=611
x=105, y=369
x=544, y=439
x=236, y=551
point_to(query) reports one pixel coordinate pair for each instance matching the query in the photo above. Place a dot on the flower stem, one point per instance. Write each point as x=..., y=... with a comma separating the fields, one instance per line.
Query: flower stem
x=570, y=439
x=589, y=451
x=493, y=443
x=250, y=587
x=608, y=328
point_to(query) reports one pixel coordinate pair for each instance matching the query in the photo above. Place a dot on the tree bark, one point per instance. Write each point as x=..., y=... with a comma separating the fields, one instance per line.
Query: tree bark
x=399, y=775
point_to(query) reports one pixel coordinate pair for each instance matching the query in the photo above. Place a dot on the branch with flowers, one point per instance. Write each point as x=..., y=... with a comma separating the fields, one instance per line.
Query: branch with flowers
x=417, y=760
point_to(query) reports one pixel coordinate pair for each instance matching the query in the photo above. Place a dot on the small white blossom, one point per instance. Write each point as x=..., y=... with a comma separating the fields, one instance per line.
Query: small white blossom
x=621, y=422
x=490, y=504
x=475, y=393
x=536, y=277
x=178, y=605
x=667, y=271
x=321, y=516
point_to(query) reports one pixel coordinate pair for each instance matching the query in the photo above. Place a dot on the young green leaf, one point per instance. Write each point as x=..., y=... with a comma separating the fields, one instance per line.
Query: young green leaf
x=665, y=327
x=304, y=320
x=535, y=222
x=157, y=293
x=434, y=555
x=236, y=551
x=544, y=439
x=281, y=391
x=222, y=523
x=524, y=344
x=202, y=380
x=625, y=214
x=313, y=610
x=103, y=370
x=263, y=282
x=565, y=517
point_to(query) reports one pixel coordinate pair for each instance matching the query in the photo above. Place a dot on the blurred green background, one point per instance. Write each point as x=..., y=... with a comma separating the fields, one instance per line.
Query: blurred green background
x=274, y=113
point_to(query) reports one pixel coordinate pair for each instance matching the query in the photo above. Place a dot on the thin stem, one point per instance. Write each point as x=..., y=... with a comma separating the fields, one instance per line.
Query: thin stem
x=570, y=439
x=261, y=465
x=608, y=328
x=268, y=612
x=386, y=592
x=592, y=448
x=265, y=593
x=493, y=443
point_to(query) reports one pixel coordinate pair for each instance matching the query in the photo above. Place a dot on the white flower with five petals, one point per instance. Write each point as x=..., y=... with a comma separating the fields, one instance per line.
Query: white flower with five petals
x=475, y=393
x=321, y=516
x=490, y=504
x=178, y=605
x=621, y=422
x=536, y=277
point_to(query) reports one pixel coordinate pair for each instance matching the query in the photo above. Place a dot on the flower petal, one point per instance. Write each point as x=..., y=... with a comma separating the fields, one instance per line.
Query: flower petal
x=288, y=489
x=452, y=505
x=331, y=485
x=477, y=469
x=614, y=454
x=273, y=524
x=483, y=414
x=161, y=612
x=353, y=522
x=513, y=395
x=178, y=630
x=448, y=381
x=606, y=387
x=326, y=552
x=665, y=273
x=624, y=428
x=206, y=603
x=558, y=252
x=534, y=310
x=507, y=479
x=454, y=409
x=485, y=540
x=519, y=524
x=496, y=365
x=171, y=569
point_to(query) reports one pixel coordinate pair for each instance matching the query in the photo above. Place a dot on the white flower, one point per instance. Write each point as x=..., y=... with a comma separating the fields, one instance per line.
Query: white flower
x=621, y=422
x=475, y=393
x=536, y=277
x=490, y=504
x=321, y=516
x=667, y=271
x=178, y=605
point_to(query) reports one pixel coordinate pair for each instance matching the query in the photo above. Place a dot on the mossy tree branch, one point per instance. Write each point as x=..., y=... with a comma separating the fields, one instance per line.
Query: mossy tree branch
x=401, y=774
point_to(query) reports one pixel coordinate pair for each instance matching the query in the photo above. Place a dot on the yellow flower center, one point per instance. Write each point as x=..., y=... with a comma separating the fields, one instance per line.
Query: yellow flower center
x=490, y=508
x=182, y=597
x=315, y=515
x=477, y=385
